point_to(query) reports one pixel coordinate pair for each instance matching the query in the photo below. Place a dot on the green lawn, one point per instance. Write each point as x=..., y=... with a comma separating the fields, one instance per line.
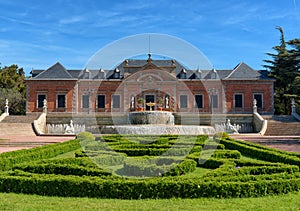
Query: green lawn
x=32, y=202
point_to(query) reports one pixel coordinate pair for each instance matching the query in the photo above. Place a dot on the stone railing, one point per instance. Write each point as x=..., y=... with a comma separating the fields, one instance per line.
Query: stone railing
x=39, y=125
x=260, y=124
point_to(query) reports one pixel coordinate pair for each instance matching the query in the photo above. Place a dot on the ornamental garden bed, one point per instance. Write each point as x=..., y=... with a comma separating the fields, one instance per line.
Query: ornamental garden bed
x=135, y=167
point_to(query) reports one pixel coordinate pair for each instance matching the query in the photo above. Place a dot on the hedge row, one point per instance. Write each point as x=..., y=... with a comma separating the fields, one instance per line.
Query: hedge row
x=264, y=154
x=141, y=169
x=228, y=169
x=8, y=160
x=259, y=146
x=158, y=152
x=62, y=169
x=74, y=186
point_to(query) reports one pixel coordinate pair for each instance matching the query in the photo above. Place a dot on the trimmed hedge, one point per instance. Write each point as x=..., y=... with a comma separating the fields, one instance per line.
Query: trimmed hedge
x=160, y=167
x=74, y=186
x=62, y=169
x=264, y=154
x=10, y=159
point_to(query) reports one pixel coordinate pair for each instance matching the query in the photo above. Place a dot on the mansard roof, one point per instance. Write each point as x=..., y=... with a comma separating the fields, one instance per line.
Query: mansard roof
x=129, y=66
x=55, y=72
x=244, y=72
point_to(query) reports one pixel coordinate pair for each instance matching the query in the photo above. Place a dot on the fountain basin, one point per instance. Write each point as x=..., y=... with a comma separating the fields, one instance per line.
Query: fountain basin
x=151, y=117
x=158, y=129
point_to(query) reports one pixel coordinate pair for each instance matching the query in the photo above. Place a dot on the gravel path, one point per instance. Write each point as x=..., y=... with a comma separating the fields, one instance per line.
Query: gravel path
x=287, y=143
x=12, y=143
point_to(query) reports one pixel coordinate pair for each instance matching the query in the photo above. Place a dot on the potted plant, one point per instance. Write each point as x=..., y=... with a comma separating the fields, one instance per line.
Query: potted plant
x=140, y=104
x=160, y=102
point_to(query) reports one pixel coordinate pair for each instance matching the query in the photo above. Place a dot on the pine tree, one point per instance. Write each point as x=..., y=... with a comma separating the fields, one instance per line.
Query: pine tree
x=283, y=68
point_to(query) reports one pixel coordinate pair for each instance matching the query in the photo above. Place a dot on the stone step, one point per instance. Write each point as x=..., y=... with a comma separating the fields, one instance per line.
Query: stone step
x=16, y=129
x=276, y=127
x=29, y=118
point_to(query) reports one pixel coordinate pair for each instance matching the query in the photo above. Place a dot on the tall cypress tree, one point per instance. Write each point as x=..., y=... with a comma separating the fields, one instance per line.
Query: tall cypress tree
x=283, y=68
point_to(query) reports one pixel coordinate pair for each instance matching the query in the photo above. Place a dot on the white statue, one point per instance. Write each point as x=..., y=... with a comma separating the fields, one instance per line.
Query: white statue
x=167, y=102
x=6, y=107
x=132, y=102
x=293, y=106
x=232, y=128
x=254, y=105
x=70, y=128
x=45, y=106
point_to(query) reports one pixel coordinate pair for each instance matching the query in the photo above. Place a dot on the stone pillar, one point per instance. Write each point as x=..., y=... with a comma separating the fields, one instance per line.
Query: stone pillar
x=254, y=106
x=45, y=106
x=6, y=107
x=293, y=106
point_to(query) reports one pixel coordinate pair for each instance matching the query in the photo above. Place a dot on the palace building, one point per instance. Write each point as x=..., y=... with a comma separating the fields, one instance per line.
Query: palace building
x=136, y=82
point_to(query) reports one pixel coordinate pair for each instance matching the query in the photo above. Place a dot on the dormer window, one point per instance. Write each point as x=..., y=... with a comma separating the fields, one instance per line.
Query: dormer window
x=116, y=73
x=213, y=74
x=102, y=74
x=182, y=74
x=198, y=74
x=86, y=74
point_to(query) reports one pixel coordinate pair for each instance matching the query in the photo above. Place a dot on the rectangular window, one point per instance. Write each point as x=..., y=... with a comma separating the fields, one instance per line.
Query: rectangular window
x=85, y=101
x=40, y=100
x=199, y=101
x=183, y=101
x=116, y=101
x=238, y=101
x=215, y=101
x=101, y=101
x=259, y=100
x=61, y=101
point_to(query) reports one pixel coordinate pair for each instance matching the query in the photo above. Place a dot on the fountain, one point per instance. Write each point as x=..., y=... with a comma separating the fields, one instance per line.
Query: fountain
x=67, y=129
x=155, y=123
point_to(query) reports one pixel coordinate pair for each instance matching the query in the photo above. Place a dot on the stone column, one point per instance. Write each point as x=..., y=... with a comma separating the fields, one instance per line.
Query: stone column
x=6, y=107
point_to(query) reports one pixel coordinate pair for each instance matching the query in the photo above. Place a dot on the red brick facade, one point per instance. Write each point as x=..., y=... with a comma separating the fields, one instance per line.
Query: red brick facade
x=230, y=92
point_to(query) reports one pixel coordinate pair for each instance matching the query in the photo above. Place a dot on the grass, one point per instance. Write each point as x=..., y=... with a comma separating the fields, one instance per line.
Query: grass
x=11, y=201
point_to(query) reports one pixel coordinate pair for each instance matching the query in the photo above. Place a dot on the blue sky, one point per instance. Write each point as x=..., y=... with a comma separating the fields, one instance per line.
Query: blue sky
x=36, y=34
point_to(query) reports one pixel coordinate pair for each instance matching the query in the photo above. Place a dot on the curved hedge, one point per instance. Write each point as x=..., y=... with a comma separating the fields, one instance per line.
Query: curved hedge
x=74, y=186
x=227, y=174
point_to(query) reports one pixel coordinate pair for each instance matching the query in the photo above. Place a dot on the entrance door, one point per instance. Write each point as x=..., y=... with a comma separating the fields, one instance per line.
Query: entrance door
x=149, y=98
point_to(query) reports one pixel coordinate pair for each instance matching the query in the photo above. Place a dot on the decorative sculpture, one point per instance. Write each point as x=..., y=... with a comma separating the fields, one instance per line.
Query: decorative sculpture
x=6, y=107
x=70, y=128
x=293, y=106
x=45, y=106
x=254, y=105
x=167, y=102
x=232, y=128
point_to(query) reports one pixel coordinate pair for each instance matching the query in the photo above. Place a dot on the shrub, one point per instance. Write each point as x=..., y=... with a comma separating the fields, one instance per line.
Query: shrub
x=8, y=160
x=85, y=136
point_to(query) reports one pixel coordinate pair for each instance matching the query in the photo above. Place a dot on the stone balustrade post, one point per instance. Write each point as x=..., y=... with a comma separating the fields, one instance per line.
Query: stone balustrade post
x=45, y=106
x=6, y=107
x=254, y=106
x=293, y=106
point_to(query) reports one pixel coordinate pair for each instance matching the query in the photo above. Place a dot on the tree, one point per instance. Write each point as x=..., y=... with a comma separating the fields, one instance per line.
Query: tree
x=284, y=69
x=13, y=88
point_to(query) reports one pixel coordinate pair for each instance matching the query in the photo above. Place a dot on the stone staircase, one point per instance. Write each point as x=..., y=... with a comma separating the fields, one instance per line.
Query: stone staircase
x=18, y=125
x=283, y=125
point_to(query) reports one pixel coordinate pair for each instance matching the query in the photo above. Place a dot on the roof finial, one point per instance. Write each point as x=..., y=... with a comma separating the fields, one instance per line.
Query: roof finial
x=149, y=58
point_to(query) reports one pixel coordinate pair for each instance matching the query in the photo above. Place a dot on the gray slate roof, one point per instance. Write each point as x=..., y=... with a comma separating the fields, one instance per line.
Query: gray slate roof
x=241, y=72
